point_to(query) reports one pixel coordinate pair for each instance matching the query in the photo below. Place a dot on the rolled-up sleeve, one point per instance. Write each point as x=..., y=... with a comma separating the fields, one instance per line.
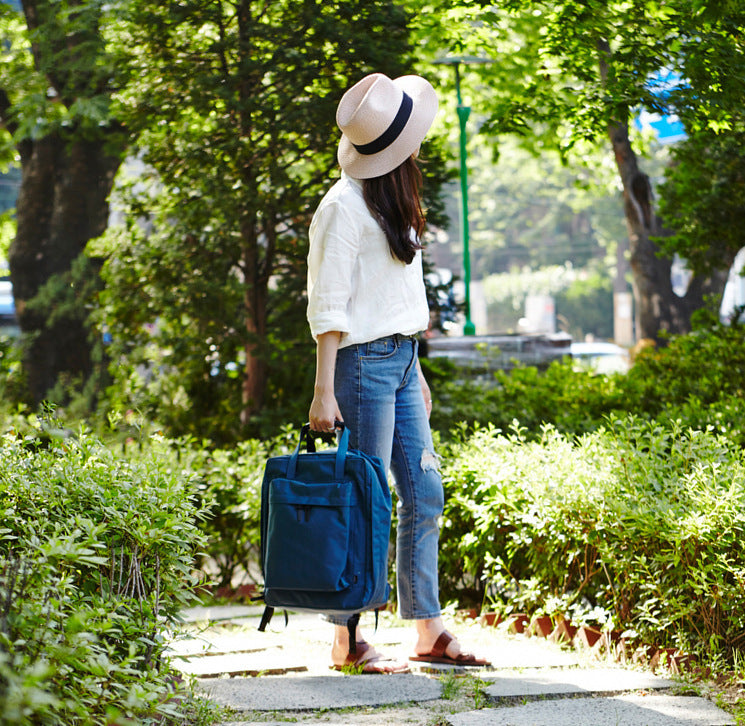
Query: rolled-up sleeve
x=334, y=248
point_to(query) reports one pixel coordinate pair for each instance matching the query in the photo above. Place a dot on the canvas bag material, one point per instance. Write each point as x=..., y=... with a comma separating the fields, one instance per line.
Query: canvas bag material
x=325, y=527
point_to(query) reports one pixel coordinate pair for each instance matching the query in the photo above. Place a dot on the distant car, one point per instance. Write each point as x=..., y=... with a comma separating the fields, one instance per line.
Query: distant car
x=487, y=353
x=8, y=322
x=601, y=356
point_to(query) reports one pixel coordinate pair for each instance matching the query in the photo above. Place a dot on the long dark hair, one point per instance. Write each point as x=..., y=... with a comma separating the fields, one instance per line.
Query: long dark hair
x=394, y=199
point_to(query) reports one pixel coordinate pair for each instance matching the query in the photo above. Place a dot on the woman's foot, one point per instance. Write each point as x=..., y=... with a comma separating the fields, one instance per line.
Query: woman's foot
x=436, y=645
x=366, y=659
x=428, y=631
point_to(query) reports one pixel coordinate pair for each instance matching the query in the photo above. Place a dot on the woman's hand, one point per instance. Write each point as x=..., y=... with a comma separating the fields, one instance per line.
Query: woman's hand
x=324, y=411
x=426, y=393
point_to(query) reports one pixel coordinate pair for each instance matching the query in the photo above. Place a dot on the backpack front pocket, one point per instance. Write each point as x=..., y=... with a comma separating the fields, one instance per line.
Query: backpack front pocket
x=308, y=536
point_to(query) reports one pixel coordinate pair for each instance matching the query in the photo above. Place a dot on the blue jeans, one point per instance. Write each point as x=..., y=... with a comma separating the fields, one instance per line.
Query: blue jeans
x=380, y=397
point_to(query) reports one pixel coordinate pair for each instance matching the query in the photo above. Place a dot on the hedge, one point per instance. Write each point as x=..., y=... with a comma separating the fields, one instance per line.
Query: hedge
x=637, y=526
x=96, y=562
x=698, y=378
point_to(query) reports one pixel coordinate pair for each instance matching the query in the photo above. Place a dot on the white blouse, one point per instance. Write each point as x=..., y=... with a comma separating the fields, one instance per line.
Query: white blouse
x=355, y=284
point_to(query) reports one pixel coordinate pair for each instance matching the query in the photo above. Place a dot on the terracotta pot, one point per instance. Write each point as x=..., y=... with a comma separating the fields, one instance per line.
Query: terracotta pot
x=242, y=592
x=675, y=661
x=563, y=632
x=517, y=622
x=587, y=636
x=624, y=649
x=491, y=619
x=681, y=663
x=646, y=655
x=540, y=625
x=700, y=672
x=607, y=643
x=246, y=592
x=224, y=592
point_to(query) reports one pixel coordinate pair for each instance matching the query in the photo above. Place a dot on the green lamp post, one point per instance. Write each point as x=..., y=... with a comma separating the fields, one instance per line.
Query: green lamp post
x=463, y=113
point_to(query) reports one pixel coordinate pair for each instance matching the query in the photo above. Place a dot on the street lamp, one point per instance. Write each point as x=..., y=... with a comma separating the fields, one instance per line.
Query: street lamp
x=463, y=114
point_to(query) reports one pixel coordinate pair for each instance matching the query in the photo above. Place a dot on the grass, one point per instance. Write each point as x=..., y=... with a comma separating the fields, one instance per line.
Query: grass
x=468, y=687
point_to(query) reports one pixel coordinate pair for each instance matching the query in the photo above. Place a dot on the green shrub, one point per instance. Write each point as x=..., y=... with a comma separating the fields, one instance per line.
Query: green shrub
x=573, y=401
x=96, y=562
x=697, y=378
x=639, y=524
x=12, y=380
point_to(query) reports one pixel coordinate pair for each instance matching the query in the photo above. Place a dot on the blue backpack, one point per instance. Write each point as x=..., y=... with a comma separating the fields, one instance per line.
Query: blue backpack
x=325, y=527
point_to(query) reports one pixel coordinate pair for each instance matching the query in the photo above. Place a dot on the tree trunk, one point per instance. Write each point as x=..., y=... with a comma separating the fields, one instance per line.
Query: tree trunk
x=255, y=299
x=659, y=309
x=62, y=204
x=258, y=239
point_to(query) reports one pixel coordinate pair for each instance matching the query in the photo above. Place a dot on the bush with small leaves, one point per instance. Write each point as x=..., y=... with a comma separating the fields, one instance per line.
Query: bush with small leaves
x=640, y=521
x=96, y=562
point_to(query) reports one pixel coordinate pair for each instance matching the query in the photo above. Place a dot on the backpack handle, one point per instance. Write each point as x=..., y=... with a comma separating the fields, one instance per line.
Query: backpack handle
x=341, y=452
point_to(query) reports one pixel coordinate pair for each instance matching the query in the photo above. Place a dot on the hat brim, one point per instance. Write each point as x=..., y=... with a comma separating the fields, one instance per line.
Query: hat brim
x=367, y=166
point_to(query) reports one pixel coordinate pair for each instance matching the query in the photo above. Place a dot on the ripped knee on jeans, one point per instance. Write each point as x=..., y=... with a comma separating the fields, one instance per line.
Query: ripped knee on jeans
x=429, y=461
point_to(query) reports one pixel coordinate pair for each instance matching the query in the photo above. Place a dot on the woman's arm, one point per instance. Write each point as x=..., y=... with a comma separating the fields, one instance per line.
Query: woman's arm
x=324, y=409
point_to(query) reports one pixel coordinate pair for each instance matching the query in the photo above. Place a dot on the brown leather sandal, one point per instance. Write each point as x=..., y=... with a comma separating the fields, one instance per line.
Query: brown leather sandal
x=437, y=654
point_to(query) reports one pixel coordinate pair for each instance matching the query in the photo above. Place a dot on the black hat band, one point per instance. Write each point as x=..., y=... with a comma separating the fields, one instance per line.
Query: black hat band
x=392, y=132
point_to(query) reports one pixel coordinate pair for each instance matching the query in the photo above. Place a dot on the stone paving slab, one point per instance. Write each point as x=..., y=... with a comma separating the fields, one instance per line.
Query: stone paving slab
x=320, y=632
x=627, y=710
x=517, y=651
x=536, y=682
x=217, y=643
x=503, y=649
x=319, y=692
x=237, y=664
x=295, y=682
x=205, y=656
x=308, y=642
x=218, y=613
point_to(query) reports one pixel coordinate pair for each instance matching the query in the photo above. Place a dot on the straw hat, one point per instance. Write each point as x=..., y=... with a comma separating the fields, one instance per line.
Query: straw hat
x=383, y=122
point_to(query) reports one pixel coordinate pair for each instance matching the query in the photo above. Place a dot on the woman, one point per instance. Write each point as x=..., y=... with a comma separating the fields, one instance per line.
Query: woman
x=366, y=303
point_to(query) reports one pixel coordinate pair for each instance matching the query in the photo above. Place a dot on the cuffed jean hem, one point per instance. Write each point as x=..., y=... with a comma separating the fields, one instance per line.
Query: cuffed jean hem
x=342, y=622
x=336, y=620
x=431, y=616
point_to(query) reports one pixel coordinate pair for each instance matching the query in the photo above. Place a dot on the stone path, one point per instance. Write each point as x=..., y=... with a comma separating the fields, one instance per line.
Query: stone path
x=282, y=675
